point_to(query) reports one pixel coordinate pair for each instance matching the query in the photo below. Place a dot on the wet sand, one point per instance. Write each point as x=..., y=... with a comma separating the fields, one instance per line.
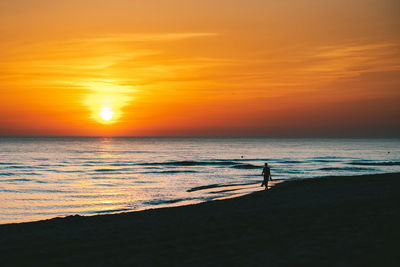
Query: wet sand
x=336, y=221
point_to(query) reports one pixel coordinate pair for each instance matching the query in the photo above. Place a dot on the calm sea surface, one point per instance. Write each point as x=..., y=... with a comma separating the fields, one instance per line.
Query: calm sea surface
x=47, y=177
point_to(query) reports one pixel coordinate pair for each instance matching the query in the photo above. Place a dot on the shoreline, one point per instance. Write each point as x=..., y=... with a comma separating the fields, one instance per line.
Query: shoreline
x=347, y=220
x=239, y=194
x=272, y=185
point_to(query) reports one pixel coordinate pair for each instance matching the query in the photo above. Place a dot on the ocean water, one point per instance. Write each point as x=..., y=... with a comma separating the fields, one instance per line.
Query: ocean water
x=42, y=178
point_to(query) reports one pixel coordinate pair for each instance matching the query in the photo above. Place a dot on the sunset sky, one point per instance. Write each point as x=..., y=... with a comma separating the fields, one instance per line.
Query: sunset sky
x=200, y=68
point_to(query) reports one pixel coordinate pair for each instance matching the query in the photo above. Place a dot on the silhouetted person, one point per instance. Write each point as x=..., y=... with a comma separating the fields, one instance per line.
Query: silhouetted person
x=267, y=176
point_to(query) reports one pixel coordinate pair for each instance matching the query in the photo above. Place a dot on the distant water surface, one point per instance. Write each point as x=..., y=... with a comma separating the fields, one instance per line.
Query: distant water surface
x=47, y=177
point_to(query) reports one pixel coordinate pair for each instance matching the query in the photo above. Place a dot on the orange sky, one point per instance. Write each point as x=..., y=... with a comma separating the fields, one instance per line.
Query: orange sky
x=200, y=68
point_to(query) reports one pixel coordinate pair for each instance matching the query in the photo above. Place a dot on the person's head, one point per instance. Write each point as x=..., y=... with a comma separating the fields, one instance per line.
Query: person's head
x=266, y=164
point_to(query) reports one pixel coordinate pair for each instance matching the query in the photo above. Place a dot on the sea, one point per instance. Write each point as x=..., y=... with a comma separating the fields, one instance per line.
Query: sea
x=46, y=177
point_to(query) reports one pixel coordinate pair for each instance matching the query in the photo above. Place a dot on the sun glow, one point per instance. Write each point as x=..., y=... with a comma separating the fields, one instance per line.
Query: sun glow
x=106, y=113
x=106, y=99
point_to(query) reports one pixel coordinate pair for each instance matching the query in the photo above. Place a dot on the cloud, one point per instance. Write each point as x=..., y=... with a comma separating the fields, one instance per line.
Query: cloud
x=146, y=37
x=340, y=61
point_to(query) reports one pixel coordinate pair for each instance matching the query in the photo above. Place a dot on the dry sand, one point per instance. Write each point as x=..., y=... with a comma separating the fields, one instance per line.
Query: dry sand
x=337, y=221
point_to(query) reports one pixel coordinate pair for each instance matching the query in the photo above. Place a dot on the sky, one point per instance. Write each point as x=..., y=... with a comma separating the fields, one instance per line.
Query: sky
x=200, y=68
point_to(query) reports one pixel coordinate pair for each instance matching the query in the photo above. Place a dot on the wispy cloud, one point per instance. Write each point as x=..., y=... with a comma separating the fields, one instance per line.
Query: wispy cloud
x=146, y=37
x=104, y=70
x=351, y=60
x=307, y=68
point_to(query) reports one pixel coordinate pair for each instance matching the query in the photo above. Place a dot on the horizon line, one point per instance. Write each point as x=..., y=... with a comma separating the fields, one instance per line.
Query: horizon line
x=191, y=136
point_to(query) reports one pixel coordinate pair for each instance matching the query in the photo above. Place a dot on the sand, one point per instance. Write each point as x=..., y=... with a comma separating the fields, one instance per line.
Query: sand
x=335, y=221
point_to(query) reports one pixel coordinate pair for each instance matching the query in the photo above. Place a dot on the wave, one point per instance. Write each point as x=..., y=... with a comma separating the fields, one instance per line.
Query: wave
x=52, y=165
x=84, y=196
x=242, y=163
x=107, y=185
x=224, y=191
x=346, y=169
x=106, y=162
x=254, y=159
x=96, y=163
x=203, y=187
x=120, y=164
x=270, y=160
x=169, y=172
x=41, y=159
x=6, y=174
x=17, y=180
x=324, y=160
x=34, y=190
x=22, y=167
x=105, y=173
x=332, y=157
x=66, y=171
x=168, y=201
x=106, y=170
x=47, y=191
x=109, y=151
x=19, y=174
x=105, y=211
x=290, y=161
x=245, y=166
x=376, y=163
x=191, y=163
x=93, y=162
x=185, y=163
x=188, y=163
x=197, y=188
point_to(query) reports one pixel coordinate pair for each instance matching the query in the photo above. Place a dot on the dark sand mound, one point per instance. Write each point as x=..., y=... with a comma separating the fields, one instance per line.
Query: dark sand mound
x=338, y=221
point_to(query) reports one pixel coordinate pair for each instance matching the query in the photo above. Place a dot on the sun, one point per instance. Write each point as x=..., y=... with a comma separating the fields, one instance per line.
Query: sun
x=106, y=113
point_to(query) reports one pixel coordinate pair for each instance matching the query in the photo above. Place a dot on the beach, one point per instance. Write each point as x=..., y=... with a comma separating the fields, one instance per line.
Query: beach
x=199, y=133
x=47, y=177
x=333, y=221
